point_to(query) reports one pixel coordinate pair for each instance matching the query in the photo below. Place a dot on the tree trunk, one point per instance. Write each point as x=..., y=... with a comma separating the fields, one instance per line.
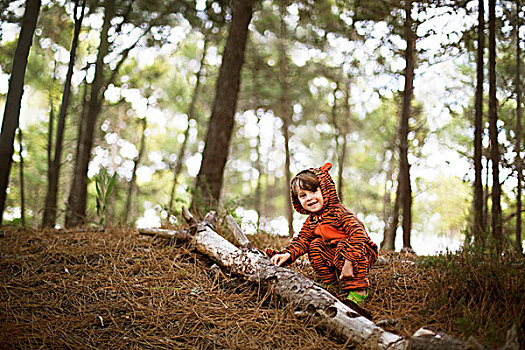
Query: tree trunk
x=258, y=166
x=210, y=177
x=391, y=242
x=256, y=92
x=257, y=200
x=76, y=208
x=340, y=135
x=478, y=228
x=518, y=131
x=111, y=210
x=14, y=97
x=486, y=193
x=50, y=207
x=191, y=116
x=22, y=193
x=493, y=128
x=131, y=187
x=344, y=132
x=337, y=134
x=404, y=166
x=51, y=126
x=388, y=217
x=287, y=177
x=286, y=115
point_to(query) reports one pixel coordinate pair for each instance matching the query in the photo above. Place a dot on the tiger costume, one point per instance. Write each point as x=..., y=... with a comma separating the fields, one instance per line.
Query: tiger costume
x=330, y=236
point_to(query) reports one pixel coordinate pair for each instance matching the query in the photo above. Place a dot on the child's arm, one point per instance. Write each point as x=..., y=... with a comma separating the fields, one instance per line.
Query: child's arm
x=300, y=244
x=297, y=247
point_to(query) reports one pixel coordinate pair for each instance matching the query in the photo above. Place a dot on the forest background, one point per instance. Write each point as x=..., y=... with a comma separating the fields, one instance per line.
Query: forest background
x=389, y=99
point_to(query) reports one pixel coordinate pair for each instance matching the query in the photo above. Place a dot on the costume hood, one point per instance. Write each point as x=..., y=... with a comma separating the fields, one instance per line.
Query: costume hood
x=328, y=190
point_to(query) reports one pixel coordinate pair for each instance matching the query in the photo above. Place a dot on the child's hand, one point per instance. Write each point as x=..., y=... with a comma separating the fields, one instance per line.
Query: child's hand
x=279, y=259
x=347, y=271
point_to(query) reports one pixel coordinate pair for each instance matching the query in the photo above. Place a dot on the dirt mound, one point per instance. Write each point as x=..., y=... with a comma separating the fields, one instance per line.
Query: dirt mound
x=119, y=290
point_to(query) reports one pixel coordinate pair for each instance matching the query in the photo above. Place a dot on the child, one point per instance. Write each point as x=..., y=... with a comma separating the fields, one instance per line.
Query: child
x=336, y=241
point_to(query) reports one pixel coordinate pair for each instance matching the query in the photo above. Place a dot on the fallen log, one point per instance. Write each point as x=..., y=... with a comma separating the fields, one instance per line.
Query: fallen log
x=302, y=293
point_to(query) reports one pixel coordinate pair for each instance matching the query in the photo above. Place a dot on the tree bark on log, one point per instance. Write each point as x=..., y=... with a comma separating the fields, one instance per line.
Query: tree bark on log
x=306, y=297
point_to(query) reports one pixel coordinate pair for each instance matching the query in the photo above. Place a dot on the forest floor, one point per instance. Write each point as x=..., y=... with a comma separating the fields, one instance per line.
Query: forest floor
x=120, y=290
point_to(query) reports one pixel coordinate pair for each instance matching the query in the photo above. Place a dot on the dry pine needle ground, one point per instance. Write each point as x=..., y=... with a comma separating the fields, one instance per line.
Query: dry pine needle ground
x=117, y=289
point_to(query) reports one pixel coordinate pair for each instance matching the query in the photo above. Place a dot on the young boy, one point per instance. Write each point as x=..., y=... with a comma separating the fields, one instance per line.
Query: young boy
x=336, y=241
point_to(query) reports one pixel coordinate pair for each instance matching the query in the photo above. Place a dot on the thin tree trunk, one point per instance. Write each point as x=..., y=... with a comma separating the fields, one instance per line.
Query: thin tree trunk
x=337, y=134
x=486, y=194
x=389, y=234
x=51, y=124
x=404, y=166
x=114, y=166
x=258, y=164
x=50, y=208
x=342, y=158
x=286, y=114
x=288, y=177
x=83, y=115
x=76, y=208
x=14, y=96
x=131, y=188
x=217, y=144
x=518, y=131
x=478, y=228
x=258, y=167
x=395, y=219
x=191, y=116
x=340, y=135
x=22, y=193
x=493, y=128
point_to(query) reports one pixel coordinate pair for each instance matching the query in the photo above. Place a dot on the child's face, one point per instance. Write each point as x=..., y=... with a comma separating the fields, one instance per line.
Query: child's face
x=311, y=201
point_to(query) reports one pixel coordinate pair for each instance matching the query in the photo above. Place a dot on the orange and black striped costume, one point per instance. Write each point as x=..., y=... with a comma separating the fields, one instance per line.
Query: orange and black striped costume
x=331, y=236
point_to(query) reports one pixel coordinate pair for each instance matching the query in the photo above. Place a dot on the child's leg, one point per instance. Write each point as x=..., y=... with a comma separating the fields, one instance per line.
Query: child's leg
x=355, y=252
x=321, y=256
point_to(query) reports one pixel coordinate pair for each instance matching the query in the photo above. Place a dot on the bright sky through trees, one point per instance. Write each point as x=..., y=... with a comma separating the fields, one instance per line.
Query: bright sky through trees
x=434, y=79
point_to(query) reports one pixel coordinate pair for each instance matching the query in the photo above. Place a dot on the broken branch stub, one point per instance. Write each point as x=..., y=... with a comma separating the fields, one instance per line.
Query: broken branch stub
x=240, y=237
x=188, y=217
x=210, y=219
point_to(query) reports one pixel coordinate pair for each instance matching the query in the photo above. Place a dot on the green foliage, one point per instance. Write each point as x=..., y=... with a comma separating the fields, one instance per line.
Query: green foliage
x=35, y=168
x=438, y=210
x=104, y=184
x=162, y=71
x=55, y=24
x=481, y=289
x=7, y=53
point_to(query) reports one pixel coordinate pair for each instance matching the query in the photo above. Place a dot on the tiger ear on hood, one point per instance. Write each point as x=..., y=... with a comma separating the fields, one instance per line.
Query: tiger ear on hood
x=326, y=167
